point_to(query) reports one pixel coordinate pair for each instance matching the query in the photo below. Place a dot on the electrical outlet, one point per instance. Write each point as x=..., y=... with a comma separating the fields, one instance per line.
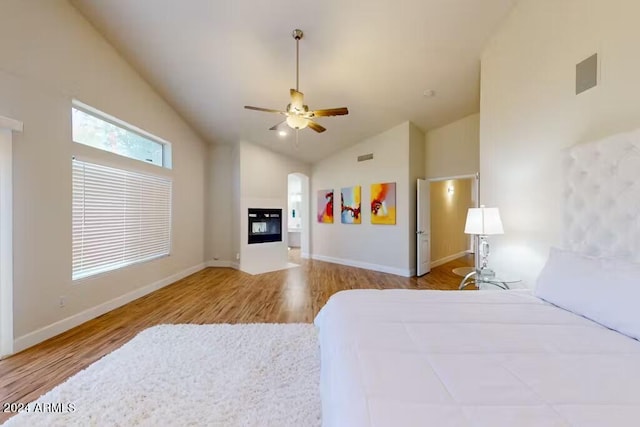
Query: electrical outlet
x=63, y=301
x=237, y=256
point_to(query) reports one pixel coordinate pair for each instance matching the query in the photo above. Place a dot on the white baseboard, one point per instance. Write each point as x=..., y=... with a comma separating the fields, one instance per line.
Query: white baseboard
x=446, y=259
x=360, y=264
x=49, y=331
x=305, y=255
x=219, y=263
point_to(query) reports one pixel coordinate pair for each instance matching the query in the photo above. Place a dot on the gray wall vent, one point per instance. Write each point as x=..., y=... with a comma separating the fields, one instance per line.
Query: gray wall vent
x=587, y=74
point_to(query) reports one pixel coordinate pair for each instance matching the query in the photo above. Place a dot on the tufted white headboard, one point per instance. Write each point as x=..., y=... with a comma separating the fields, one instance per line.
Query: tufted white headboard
x=602, y=197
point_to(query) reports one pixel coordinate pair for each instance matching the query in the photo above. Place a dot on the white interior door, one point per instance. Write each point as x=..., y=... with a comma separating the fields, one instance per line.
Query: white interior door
x=423, y=228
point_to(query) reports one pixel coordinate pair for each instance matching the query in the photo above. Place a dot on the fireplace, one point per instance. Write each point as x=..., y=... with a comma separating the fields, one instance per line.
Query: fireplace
x=265, y=225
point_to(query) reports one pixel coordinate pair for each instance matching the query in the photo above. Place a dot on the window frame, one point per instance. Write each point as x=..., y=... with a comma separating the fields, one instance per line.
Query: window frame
x=100, y=115
x=110, y=159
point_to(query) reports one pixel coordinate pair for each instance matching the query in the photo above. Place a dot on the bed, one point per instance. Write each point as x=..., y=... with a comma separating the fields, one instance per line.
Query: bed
x=503, y=358
x=566, y=353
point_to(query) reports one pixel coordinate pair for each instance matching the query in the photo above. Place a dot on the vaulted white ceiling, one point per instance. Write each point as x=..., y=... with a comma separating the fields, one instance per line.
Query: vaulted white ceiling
x=209, y=58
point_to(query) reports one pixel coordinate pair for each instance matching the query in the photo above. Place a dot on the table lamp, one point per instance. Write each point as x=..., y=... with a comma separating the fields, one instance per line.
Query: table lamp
x=483, y=222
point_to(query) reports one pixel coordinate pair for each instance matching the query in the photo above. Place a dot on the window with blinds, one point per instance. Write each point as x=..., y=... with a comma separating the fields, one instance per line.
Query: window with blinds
x=119, y=218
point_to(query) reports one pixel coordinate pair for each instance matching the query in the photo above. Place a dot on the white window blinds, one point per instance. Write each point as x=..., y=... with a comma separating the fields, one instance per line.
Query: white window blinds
x=119, y=218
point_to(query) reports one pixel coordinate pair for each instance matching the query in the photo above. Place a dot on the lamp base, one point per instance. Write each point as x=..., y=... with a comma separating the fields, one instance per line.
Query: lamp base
x=484, y=256
x=487, y=272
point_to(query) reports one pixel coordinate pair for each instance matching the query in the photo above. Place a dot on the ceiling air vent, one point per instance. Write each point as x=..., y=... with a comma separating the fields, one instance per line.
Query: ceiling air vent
x=365, y=157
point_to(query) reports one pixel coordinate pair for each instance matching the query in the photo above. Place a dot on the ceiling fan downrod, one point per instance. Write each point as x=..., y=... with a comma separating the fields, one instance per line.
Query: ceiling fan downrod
x=297, y=35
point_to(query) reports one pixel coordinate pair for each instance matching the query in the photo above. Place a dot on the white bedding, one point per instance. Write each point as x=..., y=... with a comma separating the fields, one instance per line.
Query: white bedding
x=447, y=358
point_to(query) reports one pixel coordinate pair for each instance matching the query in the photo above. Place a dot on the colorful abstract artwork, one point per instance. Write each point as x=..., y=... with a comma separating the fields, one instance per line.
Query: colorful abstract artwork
x=325, y=206
x=350, y=205
x=383, y=203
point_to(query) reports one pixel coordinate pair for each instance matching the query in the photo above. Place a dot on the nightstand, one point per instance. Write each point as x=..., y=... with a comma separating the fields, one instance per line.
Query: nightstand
x=480, y=279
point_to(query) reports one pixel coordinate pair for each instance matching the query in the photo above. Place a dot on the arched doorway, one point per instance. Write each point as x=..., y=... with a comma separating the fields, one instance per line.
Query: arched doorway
x=298, y=223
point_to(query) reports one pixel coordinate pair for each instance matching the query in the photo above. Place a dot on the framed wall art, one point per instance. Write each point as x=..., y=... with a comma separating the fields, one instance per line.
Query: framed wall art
x=383, y=203
x=350, y=205
x=325, y=206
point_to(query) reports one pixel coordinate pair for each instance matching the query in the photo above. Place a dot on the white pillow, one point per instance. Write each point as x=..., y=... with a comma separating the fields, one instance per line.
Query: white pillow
x=604, y=290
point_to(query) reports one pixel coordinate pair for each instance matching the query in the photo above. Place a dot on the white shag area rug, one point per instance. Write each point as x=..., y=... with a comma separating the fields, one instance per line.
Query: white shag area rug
x=193, y=375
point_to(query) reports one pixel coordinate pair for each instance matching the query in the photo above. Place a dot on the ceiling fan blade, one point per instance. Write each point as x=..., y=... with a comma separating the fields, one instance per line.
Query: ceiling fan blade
x=266, y=110
x=297, y=99
x=329, y=112
x=279, y=126
x=316, y=126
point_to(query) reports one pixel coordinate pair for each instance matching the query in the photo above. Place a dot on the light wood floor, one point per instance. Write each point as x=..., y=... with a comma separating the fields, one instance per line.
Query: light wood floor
x=213, y=295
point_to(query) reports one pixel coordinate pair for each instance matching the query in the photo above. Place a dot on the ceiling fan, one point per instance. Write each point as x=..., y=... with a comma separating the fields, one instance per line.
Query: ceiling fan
x=298, y=115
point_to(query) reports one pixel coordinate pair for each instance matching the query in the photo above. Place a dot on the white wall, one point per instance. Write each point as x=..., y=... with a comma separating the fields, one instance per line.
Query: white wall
x=530, y=112
x=264, y=184
x=218, y=219
x=236, y=196
x=417, y=142
x=378, y=247
x=49, y=55
x=453, y=150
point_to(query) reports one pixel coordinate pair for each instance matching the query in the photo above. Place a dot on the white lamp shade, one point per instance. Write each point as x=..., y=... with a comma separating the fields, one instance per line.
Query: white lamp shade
x=483, y=221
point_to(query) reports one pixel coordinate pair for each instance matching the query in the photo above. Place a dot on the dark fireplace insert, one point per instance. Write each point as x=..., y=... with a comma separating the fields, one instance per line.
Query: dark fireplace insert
x=265, y=225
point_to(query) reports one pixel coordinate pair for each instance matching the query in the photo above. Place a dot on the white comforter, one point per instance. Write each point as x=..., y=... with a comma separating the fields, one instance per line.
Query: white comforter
x=443, y=358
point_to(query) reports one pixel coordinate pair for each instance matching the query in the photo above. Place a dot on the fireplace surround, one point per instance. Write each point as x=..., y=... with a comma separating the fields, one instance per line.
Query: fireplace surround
x=265, y=225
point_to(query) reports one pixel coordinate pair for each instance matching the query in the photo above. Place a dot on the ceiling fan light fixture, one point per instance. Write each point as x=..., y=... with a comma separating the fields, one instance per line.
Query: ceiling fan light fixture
x=298, y=116
x=297, y=122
